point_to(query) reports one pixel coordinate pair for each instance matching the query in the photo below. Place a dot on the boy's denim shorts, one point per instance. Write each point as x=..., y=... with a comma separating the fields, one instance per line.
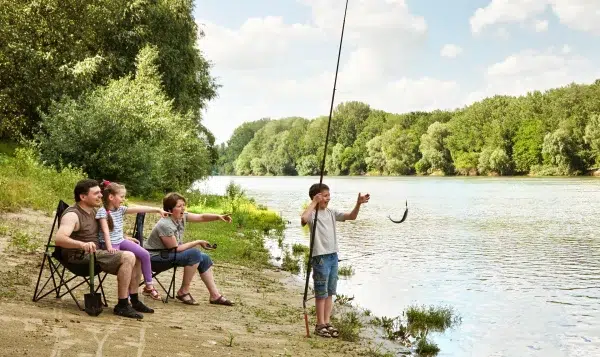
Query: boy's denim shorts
x=325, y=275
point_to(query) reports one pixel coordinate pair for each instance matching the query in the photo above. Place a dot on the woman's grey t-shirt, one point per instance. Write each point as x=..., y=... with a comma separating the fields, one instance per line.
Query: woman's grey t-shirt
x=165, y=227
x=326, y=235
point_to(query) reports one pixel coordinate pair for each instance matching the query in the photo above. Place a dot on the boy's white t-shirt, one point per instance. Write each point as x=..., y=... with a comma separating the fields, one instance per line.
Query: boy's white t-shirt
x=325, y=234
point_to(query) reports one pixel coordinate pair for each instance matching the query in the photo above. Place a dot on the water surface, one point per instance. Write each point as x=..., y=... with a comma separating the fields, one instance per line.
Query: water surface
x=518, y=258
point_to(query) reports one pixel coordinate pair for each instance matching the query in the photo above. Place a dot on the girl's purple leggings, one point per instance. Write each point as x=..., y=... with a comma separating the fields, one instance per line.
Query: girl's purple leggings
x=140, y=253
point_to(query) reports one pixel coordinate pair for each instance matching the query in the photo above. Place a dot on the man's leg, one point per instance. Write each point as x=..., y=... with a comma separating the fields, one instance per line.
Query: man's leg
x=134, y=288
x=121, y=264
x=123, y=282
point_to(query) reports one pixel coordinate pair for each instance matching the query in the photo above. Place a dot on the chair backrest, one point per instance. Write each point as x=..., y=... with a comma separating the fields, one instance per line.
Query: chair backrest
x=138, y=228
x=60, y=209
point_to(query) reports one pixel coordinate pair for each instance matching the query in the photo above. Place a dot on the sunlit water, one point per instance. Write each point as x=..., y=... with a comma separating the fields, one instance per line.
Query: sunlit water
x=517, y=258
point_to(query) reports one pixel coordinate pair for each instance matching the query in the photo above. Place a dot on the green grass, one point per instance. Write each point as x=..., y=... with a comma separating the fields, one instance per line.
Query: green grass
x=25, y=182
x=346, y=271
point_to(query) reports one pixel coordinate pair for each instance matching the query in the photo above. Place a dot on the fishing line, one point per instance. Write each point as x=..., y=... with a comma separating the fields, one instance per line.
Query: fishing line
x=314, y=226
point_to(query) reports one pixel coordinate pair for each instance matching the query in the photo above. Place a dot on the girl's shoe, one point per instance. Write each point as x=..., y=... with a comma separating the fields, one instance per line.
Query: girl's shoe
x=151, y=292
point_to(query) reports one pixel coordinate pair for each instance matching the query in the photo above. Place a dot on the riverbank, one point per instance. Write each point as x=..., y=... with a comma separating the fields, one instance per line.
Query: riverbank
x=266, y=321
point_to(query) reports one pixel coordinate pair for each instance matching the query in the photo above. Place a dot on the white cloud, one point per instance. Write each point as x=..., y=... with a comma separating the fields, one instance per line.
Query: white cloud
x=581, y=15
x=532, y=70
x=541, y=26
x=272, y=68
x=450, y=51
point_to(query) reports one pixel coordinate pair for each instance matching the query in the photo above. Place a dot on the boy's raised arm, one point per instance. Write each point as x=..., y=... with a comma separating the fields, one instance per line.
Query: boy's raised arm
x=359, y=201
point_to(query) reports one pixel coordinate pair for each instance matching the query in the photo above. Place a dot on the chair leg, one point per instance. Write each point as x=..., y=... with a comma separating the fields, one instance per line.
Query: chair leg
x=101, y=287
x=37, y=284
x=62, y=275
x=171, y=286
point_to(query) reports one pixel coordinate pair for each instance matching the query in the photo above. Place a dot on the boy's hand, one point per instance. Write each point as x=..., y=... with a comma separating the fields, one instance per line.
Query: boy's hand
x=318, y=198
x=363, y=198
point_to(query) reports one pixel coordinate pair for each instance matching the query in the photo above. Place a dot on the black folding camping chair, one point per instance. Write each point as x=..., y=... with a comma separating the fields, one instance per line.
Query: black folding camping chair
x=157, y=267
x=57, y=267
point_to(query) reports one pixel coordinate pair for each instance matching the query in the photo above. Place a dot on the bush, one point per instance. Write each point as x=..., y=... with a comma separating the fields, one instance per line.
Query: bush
x=25, y=182
x=128, y=132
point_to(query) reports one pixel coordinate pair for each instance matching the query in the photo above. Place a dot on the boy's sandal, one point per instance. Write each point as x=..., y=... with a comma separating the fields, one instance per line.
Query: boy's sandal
x=189, y=301
x=152, y=293
x=221, y=300
x=332, y=330
x=322, y=331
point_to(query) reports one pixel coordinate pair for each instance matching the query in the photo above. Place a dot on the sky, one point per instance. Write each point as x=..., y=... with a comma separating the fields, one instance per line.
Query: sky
x=277, y=58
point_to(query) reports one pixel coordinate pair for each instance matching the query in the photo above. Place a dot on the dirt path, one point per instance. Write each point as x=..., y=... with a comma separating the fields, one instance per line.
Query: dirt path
x=266, y=321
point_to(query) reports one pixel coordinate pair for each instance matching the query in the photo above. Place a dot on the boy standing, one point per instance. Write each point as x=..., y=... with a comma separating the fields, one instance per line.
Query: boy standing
x=324, y=258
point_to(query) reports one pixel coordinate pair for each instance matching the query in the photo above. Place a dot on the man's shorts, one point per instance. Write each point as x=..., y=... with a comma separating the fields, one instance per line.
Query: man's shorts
x=108, y=262
x=325, y=275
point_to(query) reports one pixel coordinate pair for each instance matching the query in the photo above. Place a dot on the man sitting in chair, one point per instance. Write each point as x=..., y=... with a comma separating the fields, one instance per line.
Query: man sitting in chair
x=78, y=233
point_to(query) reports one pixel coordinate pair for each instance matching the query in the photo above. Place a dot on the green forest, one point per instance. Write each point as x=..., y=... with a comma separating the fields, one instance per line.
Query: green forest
x=551, y=133
x=114, y=88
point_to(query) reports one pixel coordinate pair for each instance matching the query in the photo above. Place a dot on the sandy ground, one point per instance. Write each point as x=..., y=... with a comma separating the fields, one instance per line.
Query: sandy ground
x=266, y=321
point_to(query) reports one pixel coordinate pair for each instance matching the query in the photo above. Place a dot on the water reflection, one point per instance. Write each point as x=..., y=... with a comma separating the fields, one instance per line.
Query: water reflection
x=518, y=258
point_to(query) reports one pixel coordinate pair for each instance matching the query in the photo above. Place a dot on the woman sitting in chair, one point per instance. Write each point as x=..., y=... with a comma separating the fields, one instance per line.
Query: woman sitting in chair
x=168, y=234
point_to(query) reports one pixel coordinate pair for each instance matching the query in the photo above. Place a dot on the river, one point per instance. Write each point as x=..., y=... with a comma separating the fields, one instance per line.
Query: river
x=517, y=258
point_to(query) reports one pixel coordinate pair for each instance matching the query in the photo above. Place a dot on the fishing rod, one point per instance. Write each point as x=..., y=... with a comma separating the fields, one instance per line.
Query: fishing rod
x=314, y=226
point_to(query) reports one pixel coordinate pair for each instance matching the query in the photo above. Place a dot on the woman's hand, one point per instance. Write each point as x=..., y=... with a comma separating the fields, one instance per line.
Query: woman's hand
x=204, y=244
x=225, y=218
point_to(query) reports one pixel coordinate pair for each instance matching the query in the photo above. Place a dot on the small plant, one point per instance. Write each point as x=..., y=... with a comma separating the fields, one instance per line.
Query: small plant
x=349, y=326
x=234, y=194
x=346, y=271
x=426, y=347
x=24, y=243
x=299, y=248
x=343, y=300
x=290, y=263
x=420, y=320
x=229, y=340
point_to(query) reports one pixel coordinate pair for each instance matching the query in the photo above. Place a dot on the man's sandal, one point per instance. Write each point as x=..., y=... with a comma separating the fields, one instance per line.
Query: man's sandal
x=322, y=330
x=332, y=330
x=189, y=301
x=151, y=293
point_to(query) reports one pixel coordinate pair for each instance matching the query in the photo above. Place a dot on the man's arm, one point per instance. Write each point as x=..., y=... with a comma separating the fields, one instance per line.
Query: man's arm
x=68, y=223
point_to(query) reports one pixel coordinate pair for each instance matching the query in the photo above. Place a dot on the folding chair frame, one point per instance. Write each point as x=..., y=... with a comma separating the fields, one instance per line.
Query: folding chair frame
x=57, y=269
x=138, y=233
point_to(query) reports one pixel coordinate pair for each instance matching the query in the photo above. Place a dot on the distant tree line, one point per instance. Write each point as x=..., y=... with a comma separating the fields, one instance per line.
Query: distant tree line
x=554, y=133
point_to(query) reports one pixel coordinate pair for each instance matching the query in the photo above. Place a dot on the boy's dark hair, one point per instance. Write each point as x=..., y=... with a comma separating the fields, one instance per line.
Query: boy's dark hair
x=83, y=187
x=170, y=201
x=315, y=189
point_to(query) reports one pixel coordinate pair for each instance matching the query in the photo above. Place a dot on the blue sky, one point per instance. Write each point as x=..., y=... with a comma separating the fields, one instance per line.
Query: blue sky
x=276, y=58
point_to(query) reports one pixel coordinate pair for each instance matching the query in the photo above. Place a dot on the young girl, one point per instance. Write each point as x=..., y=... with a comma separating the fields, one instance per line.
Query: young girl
x=111, y=235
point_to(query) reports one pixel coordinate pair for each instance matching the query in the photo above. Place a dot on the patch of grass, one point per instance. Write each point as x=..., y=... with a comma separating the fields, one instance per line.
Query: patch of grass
x=346, y=271
x=229, y=340
x=298, y=248
x=24, y=242
x=427, y=348
x=343, y=300
x=241, y=242
x=8, y=148
x=25, y=182
x=376, y=351
x=290, y=263
x=432, y=318
x=4, y=229
x=349, y=325
x=414, y=330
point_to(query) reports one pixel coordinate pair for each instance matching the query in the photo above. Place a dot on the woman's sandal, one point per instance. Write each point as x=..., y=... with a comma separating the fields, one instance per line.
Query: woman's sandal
x=189, y=301
x=151, y=293
x=322, y=330
x=221, y=300
x=332, y=330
